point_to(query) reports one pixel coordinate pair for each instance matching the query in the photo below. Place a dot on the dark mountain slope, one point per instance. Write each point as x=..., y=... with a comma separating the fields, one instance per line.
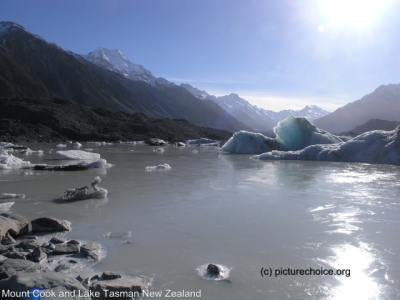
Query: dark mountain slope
x=52, y=71
x=45, y=120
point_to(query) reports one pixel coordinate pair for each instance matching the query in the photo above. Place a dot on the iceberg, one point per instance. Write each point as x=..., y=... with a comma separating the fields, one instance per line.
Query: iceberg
x=79, y=155
x=377, y=147
x=293, y=133
x=83, y=192
x=159, y=167
x=203, y=142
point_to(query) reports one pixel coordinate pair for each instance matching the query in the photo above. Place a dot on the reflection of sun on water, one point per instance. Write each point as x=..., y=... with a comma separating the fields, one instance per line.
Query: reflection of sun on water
x=358, y=285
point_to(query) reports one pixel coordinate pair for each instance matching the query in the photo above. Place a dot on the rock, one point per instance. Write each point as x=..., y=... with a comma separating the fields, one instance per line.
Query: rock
x=27, y=245
x=155, y=142
x=50, y=225
x=59, y=283
x=37, y=255
x=73, y=242
x=16, y=254
x=91, y=250
x=11, y=223
x=107, y=275
x=12, y=267
x=129, y=284
x=65, y=249
x=2, y=258
x=30, y=237
x=57, y=240
x=8, y=240
x=212, y=270
x=62, y=267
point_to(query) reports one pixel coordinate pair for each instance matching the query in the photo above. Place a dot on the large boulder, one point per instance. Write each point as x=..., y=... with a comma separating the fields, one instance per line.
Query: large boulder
x=50, y=225
x=65, y=249
x=135, y=285
x=91, y=250
x=53, y=285
x=10, y=267
x=11, y=223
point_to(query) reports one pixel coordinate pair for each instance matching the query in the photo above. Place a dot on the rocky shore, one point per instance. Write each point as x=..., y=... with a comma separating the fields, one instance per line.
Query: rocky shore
x=34, y=262
x=58, y=120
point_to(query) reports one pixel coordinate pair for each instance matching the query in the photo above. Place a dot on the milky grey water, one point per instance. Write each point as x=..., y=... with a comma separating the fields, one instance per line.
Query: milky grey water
x=234, y=211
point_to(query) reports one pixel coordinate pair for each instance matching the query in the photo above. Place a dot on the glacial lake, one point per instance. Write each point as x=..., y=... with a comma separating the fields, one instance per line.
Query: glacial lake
x=253, y=217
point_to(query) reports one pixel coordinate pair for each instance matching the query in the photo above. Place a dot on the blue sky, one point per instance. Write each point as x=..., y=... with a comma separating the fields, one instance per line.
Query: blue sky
x=277, y=54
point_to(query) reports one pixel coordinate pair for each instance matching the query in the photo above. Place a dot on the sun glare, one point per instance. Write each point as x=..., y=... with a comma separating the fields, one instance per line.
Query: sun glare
x=358, y=13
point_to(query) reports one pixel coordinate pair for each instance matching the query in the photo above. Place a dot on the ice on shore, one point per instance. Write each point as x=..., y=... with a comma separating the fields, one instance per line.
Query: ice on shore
x=378, y=147
x=79, y=155
x=83, y=193
x=159, y=167
x=293, y=133
x=9, y=161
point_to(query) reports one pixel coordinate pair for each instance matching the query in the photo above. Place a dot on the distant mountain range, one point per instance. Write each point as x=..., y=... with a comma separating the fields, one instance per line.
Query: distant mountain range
x=257, y=119
x=33, y=68
x=383, y=103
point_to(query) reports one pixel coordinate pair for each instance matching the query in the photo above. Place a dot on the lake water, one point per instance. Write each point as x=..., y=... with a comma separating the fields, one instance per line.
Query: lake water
x=244, y=214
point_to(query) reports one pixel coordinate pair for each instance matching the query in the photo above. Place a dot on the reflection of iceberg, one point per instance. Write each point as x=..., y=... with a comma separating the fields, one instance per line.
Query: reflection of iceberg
x=83, y=192
x=291, y=134
x=380, y=147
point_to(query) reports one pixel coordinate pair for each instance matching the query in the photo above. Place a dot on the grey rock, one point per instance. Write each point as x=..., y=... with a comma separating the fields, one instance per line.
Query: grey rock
x=128, y=284
x=38, y=255
x=91, y=250
x=56, y=282
x=15, y=254
x=8, y=240
x=12, y=267
x=107, y=275
x=62, y=267
x=65, y=249
x=50, y=225
x=57, y=240
x=212, y=270
x=11, y=223
x=73, y=242
x=26, y=245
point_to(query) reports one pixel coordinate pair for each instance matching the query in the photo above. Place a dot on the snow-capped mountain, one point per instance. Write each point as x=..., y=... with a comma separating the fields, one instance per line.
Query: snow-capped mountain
x=257, y=118
x=116, y=61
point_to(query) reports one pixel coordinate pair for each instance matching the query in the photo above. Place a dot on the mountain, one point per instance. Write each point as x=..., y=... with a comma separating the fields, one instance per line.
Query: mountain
x=38, y=69
x=383, y=103
x=258, y=119
x=373, y=124
x=58, y=120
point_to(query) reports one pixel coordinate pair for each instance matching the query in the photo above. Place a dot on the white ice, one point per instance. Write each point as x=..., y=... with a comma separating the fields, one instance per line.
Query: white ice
x=6, y=206
x=159, y=167
x=378, y=147
x=83, y=192
x=11, y=196
x=247, y=142
x=79, y=155
x=8, y=161
x=202, y=141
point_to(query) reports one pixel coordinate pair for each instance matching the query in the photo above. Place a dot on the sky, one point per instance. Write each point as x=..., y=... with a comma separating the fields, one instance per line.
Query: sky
x=277, y=54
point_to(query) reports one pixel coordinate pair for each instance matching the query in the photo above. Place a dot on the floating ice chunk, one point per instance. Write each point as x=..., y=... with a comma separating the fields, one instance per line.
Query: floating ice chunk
x=61, y=145
x=94, y=143
x=248, y=142
x=6, y=206
x=202, y=141
x=159, y=167
x=76, y=144
x=83, y=192
x=291, y=134
x=8, y=161
x=160, y=150
x=297, y=133
x=11, y=196
x=101, y=163
x=79, y=155
x=28, y=151
x=378, y=147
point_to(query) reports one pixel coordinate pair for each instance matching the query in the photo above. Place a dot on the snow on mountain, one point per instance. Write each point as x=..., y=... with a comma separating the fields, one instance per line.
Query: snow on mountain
x=115, y=61
x=253, y=116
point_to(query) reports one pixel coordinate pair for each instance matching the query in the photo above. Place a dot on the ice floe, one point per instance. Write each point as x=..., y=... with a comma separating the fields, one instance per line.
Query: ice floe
x=11, y=196
x=79, y=155
x=6, y=206
x=159, y=167
x=84, y=193
x=202, y=142
x=9, y=161
x=378, y=147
